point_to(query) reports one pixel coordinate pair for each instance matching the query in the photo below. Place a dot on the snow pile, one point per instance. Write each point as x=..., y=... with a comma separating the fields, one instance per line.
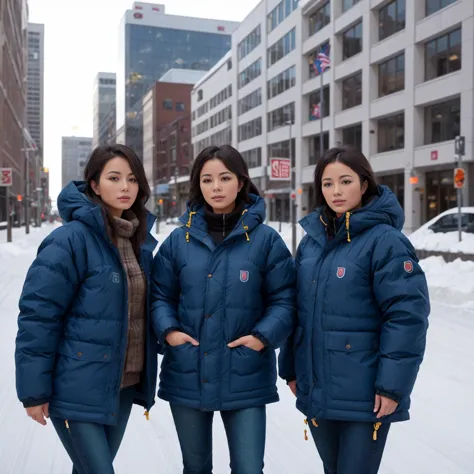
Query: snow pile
x=450, y=283
x=425, y=239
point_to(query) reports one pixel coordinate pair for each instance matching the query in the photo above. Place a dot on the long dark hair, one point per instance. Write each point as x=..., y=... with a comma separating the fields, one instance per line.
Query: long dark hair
x=233, y=161
x=97, y=161
x=353, y=159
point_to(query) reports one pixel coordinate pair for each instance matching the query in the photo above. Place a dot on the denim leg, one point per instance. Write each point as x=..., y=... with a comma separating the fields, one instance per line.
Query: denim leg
x=92, y=446
x=358, y=452
x=246, y=432
x=326, y=439
x=194, y=428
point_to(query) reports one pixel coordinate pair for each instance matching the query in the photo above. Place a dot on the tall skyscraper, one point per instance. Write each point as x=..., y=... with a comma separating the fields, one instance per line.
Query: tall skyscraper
x=75, y=153
x=35, y=84
x=104, y=109
x=150, y=44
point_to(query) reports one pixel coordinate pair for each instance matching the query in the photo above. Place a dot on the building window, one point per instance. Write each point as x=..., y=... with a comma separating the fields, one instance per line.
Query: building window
x=280, y=12
x=313, y=70
x=250, y=129
x=282, y=47
x=282, y=149
x=200, y=95
x=442, y=121
x=314, y=148
x=281, y=117
x=443, y=55
x=352, y=41
x=229, y=64
x=432, y=6
x=391, y=19
x=320, y=18
x=352, y=91
x=281, y=83
x=180, y=106
x=253, y=157
x=249, y=74
x=347, y=4
x=352, y=136
x=249, y=43
x=391, y=133
x=316, y=109
x=392, y=75
x=250, y=101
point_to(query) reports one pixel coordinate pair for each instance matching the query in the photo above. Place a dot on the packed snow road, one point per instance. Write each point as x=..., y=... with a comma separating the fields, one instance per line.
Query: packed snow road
x=438, y=439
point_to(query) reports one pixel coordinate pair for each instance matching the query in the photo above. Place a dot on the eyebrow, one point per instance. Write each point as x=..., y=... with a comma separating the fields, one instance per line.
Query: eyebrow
x=118, y=172
x=220, y=174
x=343, y=176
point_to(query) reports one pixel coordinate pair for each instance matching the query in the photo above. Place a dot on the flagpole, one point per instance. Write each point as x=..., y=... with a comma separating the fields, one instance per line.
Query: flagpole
x=321, y=115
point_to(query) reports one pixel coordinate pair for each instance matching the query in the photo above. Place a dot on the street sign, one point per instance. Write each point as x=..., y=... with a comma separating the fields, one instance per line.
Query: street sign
x=434, y=155
x=6, y=176
x=459, y=145
x=459, y=178
x=280, y=169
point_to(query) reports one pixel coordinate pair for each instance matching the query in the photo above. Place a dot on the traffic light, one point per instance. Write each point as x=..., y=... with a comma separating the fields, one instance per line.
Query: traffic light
x=459, y=178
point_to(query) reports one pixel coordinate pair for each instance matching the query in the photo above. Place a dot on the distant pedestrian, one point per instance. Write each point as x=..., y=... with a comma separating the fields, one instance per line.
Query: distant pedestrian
x=363, y=311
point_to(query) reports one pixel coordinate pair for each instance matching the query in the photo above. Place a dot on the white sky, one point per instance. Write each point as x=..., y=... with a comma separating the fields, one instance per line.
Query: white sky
x=81, y=40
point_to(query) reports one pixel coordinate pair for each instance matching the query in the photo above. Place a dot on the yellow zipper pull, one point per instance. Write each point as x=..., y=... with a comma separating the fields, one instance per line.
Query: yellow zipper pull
x=376, y=428
x=147, y=415
x=305, y=430
x=314, y=423
x=67, y=425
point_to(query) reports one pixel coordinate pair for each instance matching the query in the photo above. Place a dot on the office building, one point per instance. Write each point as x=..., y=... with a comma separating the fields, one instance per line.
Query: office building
x=75, y=154
x=104, y=109
x=151, y=43
x=399, y=88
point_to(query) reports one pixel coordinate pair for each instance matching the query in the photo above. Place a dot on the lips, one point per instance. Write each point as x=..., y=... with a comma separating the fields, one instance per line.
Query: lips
x=124, y=198
x=337, y=203
x=218, y=198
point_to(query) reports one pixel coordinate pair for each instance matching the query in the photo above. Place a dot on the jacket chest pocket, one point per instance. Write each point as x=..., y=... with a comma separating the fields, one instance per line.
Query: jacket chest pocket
x=353, y=362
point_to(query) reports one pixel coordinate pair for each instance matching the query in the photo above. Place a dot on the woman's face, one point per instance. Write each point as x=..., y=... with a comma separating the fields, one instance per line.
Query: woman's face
x=342, y=188
x=117, y=186
x=219, y=186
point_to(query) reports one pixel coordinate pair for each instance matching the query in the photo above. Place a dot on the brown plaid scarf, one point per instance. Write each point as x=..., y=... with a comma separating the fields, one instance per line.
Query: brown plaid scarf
x=135, y=358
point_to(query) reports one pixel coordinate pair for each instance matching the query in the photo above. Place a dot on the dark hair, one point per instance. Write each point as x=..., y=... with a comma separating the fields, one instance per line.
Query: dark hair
x=353, y=159
x=97, y=161
x=233, y=161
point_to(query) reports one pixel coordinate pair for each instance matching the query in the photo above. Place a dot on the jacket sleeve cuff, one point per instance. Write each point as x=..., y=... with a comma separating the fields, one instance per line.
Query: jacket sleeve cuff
x=390, y=395
x=29, y=403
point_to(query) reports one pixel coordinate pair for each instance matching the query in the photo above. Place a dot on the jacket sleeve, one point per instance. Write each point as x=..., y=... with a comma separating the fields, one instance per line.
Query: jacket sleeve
x=286, y=357
x=49, y=289
x=279, y=287
x=401, y=292
x=165, y=292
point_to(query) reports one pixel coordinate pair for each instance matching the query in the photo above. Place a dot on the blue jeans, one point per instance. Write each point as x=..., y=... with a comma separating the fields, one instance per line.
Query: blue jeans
x=348, y=447
x=245, y=431
x=92, y=447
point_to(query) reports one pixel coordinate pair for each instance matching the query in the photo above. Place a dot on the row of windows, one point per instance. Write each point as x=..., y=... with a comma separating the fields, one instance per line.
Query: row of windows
x=279, y=84
x=346, y=4
x=223, y=137
x=282, y=149
x=202, y=127
x=253, y=157
x=432, y=6
x=168, y=105
x=249, y=43
x=221, y=116
x=105, y=82
x=392, y=19
x=282, y=47
x=280, y=12
x=320, y=18
x=281, y=117
x=250, y=101
x=352, y=41
x=250, y=129
x=224, y=94
x=251, y=73
x=318, y=109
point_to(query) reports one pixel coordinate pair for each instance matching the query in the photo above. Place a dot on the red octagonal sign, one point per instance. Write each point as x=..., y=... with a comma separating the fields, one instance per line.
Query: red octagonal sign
x=6, y=177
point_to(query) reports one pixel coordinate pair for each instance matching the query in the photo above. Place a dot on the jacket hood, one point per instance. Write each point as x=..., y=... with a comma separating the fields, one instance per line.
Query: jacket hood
x=74, y=205
x=252, y=216
x=383, y=209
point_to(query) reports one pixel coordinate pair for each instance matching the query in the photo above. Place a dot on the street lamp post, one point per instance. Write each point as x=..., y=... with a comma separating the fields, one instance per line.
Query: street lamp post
x=292, y=191
x=27, y=188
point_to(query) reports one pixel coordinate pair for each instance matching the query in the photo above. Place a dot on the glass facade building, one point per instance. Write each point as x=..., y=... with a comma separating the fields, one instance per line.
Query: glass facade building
x=148, y=52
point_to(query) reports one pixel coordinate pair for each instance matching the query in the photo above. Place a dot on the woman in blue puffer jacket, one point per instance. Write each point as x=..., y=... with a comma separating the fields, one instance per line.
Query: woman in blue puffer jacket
x=84, y=350
x=223, y=301
x=363, y=310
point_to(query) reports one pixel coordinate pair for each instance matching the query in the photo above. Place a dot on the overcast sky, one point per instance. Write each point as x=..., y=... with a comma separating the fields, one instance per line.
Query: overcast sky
x=81, y=40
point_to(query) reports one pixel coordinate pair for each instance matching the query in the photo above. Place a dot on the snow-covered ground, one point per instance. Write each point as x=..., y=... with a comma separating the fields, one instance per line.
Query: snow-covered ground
x=425, y=239
x=438, y=440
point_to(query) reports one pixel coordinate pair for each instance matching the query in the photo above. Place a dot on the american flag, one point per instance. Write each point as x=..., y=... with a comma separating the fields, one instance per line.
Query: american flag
x=316, y=111
x=323, y=61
